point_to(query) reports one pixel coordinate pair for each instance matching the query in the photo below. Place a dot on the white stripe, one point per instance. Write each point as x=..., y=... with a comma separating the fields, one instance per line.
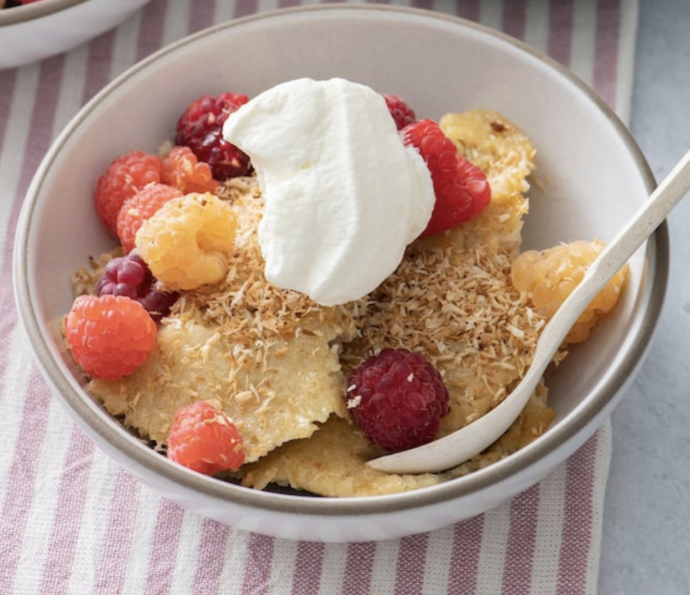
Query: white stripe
x=584, y=40
x=234, y=561
x=491, y=14
x=333, y=568
x=147, y=505
x=99, y=495
x=225, y=11
x=385, y=561
x=176, y=21
x=283, y=564
x=438, y=561
x=12, y=399
x=13, y=145
x=51, y=469
x=187, y=554
x=71, y=89
x=492, y=556
x=264, y=5
x=537, y=25
x=125, y=45
x=626, y=58
x=601, y=473
x=550, y=516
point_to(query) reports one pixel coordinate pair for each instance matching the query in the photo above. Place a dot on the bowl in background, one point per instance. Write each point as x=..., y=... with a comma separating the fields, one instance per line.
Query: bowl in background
x=41, y=29
x=416, y=54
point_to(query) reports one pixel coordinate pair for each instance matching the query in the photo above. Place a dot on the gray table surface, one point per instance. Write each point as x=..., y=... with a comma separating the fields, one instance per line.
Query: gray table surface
x=646, y=536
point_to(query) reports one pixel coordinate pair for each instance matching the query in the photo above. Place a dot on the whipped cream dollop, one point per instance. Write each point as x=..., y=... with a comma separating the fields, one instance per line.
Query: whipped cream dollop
x=343, y=195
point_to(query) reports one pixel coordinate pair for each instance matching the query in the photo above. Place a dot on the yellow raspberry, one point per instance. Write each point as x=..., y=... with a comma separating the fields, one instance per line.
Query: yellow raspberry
x=188, y=241
x=548, y=277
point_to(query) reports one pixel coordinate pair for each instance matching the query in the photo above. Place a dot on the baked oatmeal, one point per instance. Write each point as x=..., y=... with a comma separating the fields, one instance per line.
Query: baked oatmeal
x=275, y=363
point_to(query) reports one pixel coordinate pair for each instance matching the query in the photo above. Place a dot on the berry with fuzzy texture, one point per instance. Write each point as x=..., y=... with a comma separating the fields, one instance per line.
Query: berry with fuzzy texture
x=402, y=113
x=200, y=128
x=397, y=398
x=131, y=277
x=139, y=208
x=461, y=188
x=205, y=440
x=189, y=241
x=549, y=276
x=109, y=336
x=125, y=176
x=182, y=170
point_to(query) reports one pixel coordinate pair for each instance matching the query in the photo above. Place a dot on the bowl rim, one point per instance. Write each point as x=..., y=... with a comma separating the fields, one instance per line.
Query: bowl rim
x=91, y=416
x=35, y=10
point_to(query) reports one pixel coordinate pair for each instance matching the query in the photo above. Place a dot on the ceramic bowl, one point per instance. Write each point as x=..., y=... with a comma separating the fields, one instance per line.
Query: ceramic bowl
x=41, y=29
x=591, y=177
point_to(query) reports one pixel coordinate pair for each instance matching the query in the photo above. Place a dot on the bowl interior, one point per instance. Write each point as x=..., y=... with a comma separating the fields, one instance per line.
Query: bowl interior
x=590, y=176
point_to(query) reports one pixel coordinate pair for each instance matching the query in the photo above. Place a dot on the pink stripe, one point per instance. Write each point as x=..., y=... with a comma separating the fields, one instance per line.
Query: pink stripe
x=514, y=18
x=22, y=476
x=560, y=30
x=409, y=573
x=464, y=563
x=308, y=566
x=246, y=7
x=257, y=566
x=358, y=568
x=8, y=318
x=70, y=506
x=7, y=84
x=202, y=15
x=164, y=546
x=210, y=557
x=576, y=540
x=19, y=491
x=41, y=125
x=606, y=48
x=151, y=33
x=117, y=542
x=98, y=64
x=468, y=9
x=522, y=539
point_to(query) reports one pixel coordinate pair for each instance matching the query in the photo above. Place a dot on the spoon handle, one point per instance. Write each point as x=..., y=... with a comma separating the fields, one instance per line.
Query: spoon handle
x=470, y=440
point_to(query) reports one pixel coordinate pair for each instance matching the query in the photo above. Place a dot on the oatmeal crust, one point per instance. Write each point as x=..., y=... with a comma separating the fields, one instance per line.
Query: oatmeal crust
x=276, y=362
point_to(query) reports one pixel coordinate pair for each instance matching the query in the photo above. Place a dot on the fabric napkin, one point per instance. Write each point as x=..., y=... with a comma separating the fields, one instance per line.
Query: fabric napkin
x=72, y=522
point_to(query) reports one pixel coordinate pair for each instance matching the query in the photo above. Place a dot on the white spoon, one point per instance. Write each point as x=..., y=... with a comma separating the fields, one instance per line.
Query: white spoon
x=458, y=447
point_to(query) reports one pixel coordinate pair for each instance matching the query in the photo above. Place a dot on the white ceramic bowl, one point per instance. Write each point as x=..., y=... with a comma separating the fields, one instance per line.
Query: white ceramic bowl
x=591, y=178
x=42, y=29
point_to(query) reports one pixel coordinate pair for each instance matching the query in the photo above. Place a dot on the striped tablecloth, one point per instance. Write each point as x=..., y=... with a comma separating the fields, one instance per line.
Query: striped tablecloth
x=72, y=522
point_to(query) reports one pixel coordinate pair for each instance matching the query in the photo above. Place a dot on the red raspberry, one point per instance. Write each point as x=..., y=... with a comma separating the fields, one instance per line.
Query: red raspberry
x=204, y=440
x=182, y=170
x=461, y=188
x=123, y=179
x=200, y=128
x=402, y=113
x=397, y=398
x=139, y=208
x=109, y=336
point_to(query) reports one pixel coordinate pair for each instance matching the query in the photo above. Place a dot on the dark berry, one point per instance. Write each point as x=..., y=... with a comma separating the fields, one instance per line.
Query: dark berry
x=129, y=276
x=397, y=398
x=200, y=128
